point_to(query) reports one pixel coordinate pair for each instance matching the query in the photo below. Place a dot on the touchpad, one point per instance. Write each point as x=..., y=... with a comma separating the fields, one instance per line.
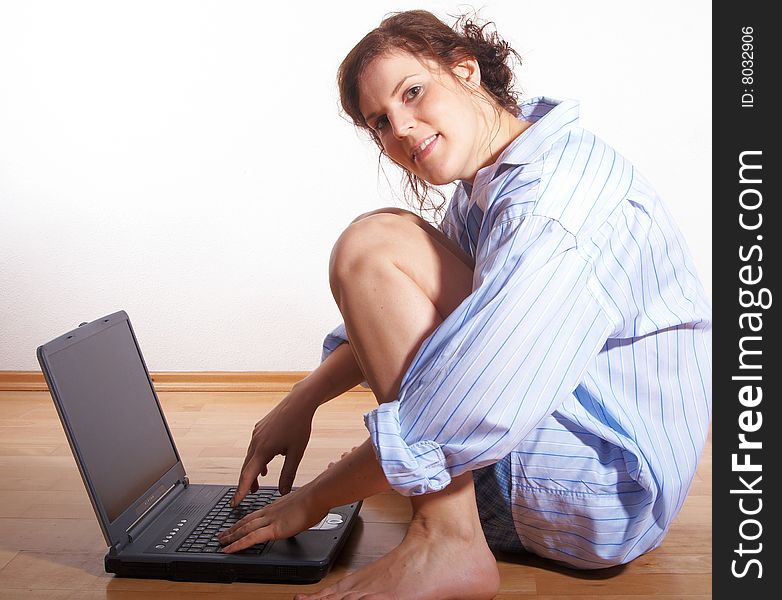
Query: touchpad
x=330, y=521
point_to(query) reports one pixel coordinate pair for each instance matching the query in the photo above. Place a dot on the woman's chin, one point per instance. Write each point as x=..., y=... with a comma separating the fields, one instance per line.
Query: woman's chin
x=437, y=178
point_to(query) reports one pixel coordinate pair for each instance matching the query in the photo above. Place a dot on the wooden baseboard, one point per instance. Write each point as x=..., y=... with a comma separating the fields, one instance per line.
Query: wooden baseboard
x=180, y=381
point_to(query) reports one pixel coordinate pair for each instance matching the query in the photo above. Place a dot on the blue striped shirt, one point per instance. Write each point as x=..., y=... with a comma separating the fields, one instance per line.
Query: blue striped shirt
x=584, y=350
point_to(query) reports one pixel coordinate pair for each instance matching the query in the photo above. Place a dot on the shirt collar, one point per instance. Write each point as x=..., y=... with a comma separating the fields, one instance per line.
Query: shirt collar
x=550, y=119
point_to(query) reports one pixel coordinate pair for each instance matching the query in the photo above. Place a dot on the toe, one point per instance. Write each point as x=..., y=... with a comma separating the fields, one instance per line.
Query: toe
x=320, y=595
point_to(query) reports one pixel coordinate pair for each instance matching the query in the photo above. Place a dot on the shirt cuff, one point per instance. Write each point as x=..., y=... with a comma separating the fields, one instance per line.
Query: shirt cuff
x=414, y=469
x=333, y=339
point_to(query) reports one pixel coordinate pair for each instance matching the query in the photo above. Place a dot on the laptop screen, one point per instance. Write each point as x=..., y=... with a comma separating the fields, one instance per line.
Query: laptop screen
x=122, y=438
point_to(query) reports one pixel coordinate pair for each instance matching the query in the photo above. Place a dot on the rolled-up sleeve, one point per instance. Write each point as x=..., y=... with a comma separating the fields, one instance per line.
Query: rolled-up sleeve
x=501, y=362
x=333, y=339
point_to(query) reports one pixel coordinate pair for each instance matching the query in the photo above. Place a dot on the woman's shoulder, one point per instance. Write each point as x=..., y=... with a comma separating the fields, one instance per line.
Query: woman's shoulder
x=557, y=132
x=578, y=180
x=556, y=169
x=581, y=171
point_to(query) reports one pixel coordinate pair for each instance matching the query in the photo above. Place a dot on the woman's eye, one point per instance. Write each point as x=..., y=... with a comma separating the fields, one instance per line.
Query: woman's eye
x=413, y=92
x=380, y=123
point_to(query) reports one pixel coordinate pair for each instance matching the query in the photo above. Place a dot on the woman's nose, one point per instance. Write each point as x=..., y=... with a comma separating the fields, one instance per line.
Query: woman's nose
x=401, y=123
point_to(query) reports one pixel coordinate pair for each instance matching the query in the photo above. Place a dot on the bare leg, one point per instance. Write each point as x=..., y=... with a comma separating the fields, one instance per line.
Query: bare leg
x=395, y=279
x=443, y=556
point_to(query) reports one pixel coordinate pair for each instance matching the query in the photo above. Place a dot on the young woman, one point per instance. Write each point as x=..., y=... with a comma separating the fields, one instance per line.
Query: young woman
x=541, y=361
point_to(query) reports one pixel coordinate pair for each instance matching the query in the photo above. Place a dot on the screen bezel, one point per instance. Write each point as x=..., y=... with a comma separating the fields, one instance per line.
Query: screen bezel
x=115, y=531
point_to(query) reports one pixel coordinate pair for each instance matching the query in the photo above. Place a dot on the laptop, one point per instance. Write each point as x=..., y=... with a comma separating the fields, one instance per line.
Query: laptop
x=157, y=523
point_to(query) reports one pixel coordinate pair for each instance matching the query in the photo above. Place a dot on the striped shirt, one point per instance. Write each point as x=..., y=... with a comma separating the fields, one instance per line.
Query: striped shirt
x=584, y=349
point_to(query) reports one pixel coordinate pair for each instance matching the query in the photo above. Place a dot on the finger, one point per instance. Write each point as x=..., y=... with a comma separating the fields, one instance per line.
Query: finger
x=247, y=476
x=254, y=485
x=288, y=473
x=313, y=595
x=233, y=529
x=251, y=452
x=235, y=533
x=340, y=595
x=319, y=595
x=256, y=537
x=253, y=520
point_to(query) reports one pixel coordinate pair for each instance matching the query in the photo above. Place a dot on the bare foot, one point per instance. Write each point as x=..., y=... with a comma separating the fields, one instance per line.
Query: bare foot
x=433, y=562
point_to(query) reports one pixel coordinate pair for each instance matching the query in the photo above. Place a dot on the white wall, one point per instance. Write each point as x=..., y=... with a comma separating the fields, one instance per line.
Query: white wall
x=185, y=161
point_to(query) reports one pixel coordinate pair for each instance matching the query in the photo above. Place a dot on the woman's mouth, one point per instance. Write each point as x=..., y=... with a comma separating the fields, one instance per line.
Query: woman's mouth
x=424, y=148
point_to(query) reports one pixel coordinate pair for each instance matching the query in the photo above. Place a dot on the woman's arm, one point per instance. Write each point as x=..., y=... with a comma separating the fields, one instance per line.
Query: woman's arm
x=337, y=374
x=286, y=429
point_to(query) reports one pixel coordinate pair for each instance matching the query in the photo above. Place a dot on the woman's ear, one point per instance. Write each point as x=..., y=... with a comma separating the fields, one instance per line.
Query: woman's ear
x=468, y=71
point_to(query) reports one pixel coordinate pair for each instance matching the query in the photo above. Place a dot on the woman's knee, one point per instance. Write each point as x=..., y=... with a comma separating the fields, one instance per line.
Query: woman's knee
x=387, y=242
x=432, y=231
x=368, y=240
x=392, y=210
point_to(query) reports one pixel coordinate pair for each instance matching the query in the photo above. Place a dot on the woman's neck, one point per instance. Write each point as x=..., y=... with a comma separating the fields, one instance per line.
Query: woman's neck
x=502, y=129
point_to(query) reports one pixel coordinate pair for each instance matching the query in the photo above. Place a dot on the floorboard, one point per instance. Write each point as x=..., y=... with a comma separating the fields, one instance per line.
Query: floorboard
x=51, y=546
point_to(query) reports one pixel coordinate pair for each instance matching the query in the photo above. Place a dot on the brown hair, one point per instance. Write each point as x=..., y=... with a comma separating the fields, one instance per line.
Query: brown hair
x=420, y=33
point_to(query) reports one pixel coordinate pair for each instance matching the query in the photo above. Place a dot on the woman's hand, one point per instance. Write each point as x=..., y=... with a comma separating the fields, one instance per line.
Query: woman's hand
x=285, y=430
x=354, y=477
x=285, y=517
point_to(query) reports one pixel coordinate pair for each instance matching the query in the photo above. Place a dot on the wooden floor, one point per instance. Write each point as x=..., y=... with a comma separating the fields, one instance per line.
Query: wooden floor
x=51, y=546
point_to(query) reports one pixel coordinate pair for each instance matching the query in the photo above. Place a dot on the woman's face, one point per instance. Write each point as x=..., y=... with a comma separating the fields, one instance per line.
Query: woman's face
x=427, y=122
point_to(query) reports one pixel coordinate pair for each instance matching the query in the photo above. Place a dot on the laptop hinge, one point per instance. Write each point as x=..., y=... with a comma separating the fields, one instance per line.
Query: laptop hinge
x=149, y=515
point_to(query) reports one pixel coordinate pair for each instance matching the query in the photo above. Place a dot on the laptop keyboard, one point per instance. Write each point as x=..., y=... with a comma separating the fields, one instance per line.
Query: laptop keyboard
x=204, y=537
